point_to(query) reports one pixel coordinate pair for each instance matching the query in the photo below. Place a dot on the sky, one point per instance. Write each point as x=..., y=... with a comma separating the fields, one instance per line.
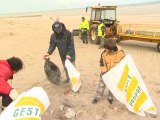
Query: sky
x=21, y=6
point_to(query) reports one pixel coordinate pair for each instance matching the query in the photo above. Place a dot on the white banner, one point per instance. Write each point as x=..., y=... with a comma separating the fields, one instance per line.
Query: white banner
x=29, y=105
x=126, y=84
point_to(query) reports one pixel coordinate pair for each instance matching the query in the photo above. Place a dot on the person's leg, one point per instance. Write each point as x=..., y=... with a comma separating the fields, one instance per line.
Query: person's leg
x=83, y=38
x=110, y=97
x=100, y=91
x=86, y=37
x=67, y=76
x=101, y=42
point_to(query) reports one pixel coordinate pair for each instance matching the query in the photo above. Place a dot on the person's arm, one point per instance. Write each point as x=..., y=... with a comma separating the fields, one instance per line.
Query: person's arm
x=52, y=45
x=5, y=87
x=70, y=45
x=103, y=66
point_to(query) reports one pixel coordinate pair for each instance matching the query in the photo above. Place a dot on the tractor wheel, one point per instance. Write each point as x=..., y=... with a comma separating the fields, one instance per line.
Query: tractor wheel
x=158, y=47
x=93, y=34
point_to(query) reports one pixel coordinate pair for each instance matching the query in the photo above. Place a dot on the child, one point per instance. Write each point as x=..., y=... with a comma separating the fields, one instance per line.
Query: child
x=110, y=57
x=7, y=69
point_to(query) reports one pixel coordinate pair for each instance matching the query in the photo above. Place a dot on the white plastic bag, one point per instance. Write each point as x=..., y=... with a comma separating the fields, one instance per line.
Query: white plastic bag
x=74, y=76
x=29, y=105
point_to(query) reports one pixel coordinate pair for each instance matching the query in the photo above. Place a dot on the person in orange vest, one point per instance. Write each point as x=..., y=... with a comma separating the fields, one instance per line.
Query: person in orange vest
x=110, y=57
x=84, y=27
x=8, y=68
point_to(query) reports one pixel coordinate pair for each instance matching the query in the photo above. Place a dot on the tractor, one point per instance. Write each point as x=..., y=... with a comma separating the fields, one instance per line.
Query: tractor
x=105, y=13
x=108, y=15
x=119, y=32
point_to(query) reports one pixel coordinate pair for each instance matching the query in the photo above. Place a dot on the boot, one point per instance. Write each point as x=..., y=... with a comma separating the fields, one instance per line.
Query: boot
x=110, y=97
x=94, y=101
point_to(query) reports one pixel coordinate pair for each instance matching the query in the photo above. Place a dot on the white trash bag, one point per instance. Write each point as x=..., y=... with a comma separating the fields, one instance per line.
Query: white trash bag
x=74, y=76
x=29, y=105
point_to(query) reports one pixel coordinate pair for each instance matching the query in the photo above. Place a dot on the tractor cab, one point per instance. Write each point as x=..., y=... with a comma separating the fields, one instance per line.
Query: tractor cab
x=108, y=15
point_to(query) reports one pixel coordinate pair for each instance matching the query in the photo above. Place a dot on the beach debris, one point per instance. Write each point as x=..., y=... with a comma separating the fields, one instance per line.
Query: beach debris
x=61, y=107
x=53, y=73
x=70, y=113
x=67, y=103
x=67, y=110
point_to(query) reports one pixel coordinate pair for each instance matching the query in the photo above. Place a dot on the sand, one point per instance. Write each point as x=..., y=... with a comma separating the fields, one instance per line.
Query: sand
x=28, y=38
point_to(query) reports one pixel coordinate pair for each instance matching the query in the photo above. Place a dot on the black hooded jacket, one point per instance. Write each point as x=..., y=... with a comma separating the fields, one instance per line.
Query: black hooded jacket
x=64, y=42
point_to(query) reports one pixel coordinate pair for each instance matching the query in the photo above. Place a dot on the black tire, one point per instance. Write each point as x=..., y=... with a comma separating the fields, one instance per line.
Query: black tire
x=93, y=34
x=158, y=47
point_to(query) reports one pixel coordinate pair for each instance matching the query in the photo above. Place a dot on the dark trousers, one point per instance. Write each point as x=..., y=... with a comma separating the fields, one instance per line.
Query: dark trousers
x=85, y=37
x=101, y=40
x=6, y=99
x=100, y=90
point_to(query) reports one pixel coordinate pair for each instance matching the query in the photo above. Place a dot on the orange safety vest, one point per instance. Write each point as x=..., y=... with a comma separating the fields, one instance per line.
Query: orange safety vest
x=109, y=60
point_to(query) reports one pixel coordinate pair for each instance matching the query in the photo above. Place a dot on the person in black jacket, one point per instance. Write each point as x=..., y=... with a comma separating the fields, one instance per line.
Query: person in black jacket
x=63, y=40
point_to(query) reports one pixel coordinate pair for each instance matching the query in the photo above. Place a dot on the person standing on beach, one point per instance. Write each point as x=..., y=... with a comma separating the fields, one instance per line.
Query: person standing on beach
x=110, y=57
x=101, y=33
x=84, y=27
x=63, y=40
x=8, y=68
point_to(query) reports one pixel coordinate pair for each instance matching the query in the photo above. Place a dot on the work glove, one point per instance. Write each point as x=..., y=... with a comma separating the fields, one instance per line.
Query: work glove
x=13, y=94
x=46, y=56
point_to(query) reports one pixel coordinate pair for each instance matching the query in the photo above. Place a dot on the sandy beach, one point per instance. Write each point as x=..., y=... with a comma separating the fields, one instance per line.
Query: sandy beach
x=28, y=38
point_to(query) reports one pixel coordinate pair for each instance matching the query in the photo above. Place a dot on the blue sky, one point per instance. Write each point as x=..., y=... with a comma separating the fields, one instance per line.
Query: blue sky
x=20, y=6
